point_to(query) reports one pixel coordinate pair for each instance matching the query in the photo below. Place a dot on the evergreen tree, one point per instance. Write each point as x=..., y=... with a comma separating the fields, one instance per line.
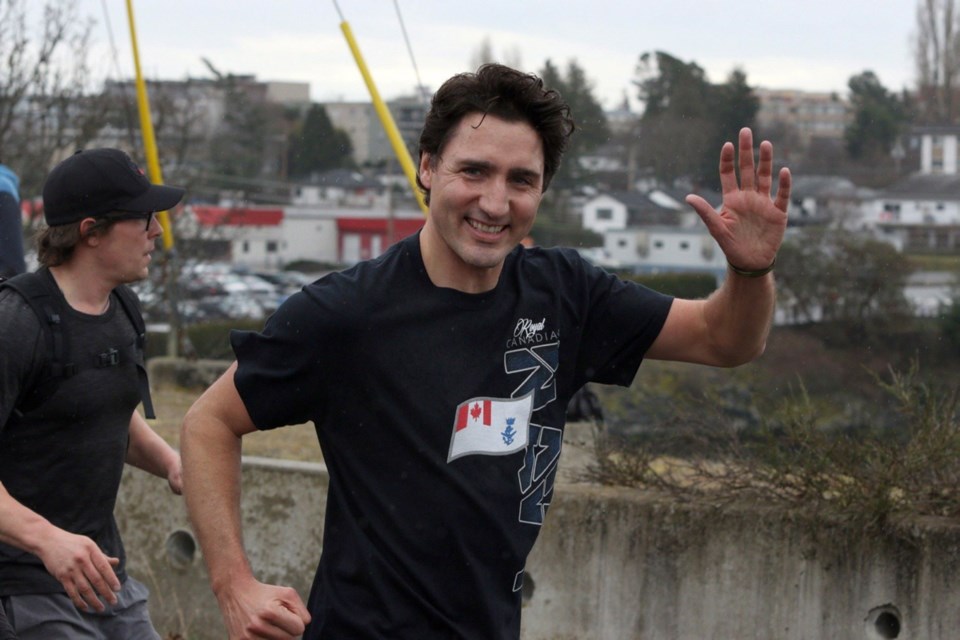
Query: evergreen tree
x=318, y=145
x=732, y=106
x=592, y=127
x=878, y=119
x=675, y=130
x=686, y=119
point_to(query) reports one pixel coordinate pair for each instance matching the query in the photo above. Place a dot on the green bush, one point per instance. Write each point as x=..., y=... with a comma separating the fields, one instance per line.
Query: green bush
x=312, y=266
x=211, y=340
x=208, y=340
x=950, y=324
x=681, y=285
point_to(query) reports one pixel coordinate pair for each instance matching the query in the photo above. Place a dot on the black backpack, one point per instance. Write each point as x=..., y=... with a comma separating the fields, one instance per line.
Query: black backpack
x=6, y=629
x=37, y=289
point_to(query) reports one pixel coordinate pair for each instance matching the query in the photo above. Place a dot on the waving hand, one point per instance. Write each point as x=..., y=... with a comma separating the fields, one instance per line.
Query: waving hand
x=749, y=225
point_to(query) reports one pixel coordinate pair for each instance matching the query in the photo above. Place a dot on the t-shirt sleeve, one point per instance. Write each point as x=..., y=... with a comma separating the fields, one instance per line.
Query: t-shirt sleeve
x=622, y=321
x=282, y=371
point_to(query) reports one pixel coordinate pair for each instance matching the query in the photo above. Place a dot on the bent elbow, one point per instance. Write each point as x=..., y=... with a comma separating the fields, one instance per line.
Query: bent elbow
x=742, y=355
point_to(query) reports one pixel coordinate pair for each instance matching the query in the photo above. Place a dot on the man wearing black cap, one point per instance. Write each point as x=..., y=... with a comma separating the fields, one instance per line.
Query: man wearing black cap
x=68, y=422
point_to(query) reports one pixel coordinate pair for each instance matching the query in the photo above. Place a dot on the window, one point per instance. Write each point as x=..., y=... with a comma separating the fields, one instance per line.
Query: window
x=605, y=214
x=658, y=244
x=246, y=246
x=621, y=242
x=271, y=246
x=684, y=245
x=937, y=153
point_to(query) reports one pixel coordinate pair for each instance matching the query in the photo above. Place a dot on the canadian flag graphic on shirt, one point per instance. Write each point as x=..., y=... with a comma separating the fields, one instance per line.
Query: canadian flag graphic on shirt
x=491, y=426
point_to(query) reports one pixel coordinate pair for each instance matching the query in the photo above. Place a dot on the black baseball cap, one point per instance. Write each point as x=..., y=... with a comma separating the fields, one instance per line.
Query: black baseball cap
x=95, y=182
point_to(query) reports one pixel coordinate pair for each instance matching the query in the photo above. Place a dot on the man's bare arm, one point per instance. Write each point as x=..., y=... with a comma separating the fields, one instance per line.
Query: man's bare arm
x=731, y=326
x=210, y=444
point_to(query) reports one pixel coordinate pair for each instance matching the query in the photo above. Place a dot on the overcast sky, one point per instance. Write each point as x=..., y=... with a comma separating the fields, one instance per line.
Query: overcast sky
x=814, y=45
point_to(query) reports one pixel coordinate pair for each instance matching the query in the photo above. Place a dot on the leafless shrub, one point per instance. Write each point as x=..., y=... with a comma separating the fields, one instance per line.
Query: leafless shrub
x=868, y=478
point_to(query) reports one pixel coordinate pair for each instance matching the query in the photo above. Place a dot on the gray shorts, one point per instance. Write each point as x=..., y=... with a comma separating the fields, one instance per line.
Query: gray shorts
x=53, y=615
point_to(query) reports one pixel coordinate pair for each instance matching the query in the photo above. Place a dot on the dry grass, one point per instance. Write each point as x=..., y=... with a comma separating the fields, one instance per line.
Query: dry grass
x=291, y=443
x=874, y=478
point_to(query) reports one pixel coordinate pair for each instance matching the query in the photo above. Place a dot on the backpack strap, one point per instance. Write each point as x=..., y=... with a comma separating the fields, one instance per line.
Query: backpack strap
x=35, y=289
x=131, y=307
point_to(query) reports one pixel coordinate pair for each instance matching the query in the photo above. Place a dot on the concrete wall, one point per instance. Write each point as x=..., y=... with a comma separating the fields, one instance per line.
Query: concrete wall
x=610, y=564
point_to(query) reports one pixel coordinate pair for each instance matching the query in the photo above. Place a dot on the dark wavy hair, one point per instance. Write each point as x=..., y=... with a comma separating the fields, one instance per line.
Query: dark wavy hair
x=506, y=93
x=55, y=245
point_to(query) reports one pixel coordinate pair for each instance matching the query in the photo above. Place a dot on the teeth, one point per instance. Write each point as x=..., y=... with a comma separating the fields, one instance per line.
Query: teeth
x=486, y=228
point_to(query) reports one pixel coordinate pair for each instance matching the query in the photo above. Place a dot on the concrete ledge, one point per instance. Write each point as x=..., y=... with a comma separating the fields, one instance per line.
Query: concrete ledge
x=610, y=563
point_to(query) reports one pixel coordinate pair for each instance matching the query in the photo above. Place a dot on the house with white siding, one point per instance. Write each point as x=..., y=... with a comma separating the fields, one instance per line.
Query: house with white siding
x=652, y=231
x=922, y=211
x=660, y=249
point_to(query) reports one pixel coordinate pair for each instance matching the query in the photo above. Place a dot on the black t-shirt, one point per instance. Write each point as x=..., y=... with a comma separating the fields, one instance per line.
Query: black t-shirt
x=440, y=415
x=64, y=459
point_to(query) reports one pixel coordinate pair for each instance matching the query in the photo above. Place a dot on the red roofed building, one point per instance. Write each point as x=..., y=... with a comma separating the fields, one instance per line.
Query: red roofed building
x=365, y=238
x=254, y=235
x=271, y=237
x=208, y=216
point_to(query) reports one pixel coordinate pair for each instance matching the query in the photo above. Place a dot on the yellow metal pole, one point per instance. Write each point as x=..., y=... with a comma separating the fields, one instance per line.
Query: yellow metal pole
x=386, y=120
x=146, y=127
x=153, y=169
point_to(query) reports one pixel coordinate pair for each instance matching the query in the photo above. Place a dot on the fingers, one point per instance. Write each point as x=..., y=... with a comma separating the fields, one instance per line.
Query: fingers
x=91, y=584
x=297, y=608
x=85, y=572
x=728, y=174
x=175, y=481
x=256, y=610
x=746, y=159
x=765, y=168
x=782, y=201
x=757, y=177
x=287, y=615
x=706, y=212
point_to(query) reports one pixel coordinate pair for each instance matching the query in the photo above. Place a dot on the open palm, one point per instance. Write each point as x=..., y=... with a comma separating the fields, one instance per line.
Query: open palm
x=749, y=225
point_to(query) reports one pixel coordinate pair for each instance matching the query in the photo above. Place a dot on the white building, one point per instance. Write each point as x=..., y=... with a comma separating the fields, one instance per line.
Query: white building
x=810, y=114
x=271, y=237
x=665, y=249
x=621, y=209
x=922, y=211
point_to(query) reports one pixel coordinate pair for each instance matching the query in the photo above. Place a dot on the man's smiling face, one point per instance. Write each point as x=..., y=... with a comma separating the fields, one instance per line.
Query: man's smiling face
x=485, y=189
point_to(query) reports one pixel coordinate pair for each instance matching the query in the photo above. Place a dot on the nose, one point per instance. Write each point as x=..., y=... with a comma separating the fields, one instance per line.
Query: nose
x=495, y=198
x=154, y=228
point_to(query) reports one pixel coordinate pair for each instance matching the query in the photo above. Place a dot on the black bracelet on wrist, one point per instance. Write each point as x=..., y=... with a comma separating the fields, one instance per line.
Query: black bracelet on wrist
x=752, y=274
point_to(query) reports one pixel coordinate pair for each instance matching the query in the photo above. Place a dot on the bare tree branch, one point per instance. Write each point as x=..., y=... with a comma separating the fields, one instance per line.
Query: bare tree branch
x=46, y=109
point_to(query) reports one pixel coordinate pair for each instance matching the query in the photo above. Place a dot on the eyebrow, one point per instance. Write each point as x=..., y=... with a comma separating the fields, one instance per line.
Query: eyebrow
x=519, y=172
x=527, y=174
x=474, y=164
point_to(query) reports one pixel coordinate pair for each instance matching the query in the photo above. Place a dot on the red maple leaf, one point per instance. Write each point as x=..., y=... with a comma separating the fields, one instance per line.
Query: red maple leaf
x=475, y=411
